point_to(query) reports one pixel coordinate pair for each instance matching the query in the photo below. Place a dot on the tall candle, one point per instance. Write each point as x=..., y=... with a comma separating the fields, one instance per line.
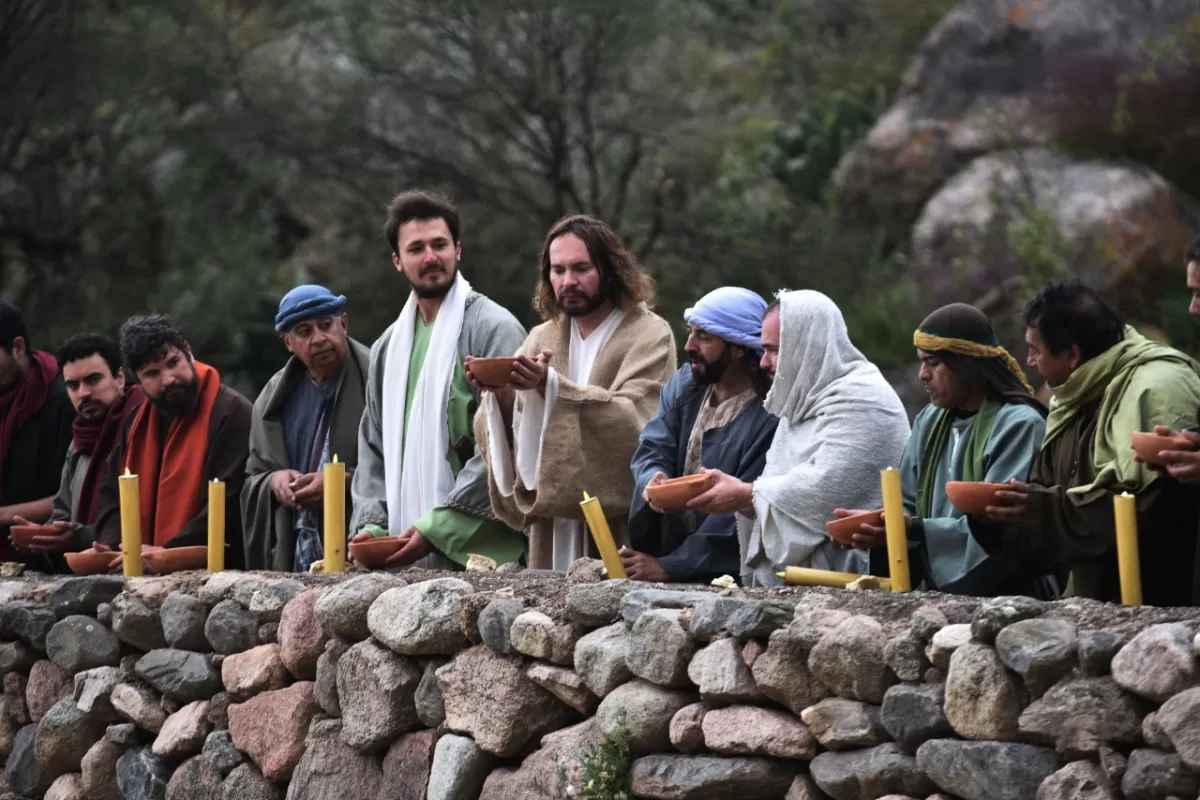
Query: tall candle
x=602, y=535
x=1129, y=562
x=897, y=538
x=131, y=525
x=216, y=526
x=807, y=576
x=335, y=516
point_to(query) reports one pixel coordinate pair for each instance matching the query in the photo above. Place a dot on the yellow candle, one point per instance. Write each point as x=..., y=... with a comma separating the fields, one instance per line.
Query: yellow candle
x=335, y=516
x=216, y=526
x=806, y=576
x=897, y=539
x=602, y=536
x=131, y=525
x=1129, y=561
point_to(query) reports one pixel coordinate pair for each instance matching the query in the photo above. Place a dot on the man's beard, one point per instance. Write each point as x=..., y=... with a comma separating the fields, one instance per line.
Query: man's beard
x=591, y=305
x=710, y=372
x=93, y=410
x=435, y=292
x=179, y=399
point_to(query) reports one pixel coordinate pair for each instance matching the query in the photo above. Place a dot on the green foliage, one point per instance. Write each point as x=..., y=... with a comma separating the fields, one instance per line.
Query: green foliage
x=807, y=150
x=604, y=769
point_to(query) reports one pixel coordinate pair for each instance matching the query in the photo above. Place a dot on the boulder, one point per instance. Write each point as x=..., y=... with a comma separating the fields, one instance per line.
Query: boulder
x=987, y=770
x=803, y=788
x=597, y=604
x=536, y=635
x=183, y=619
x=28, y=621
x=709, y=777
x=268, y=633
x=428, y=700
x=84, y=594
x=841, y=724
x=1039, y=650
x=421, y=620
x=740, y=619
x=1157, y=663
x=271, y=727
x=257, y=670
x=266, y=599
x=48, y=683
x=140, y=705
x=136, y=623
x=1176, y=718
x=98, y=771
x=644, y=711
x=16, y=657
x=564, y=684
x=375, y=690
x=913, y=715
x=1153, y=774
x=943, y=644
x=687, y=728
x=495, y=624
x=93, y=692
x=64, y=736
x=230, y=628
x=1079, y=780
x=183, y=733
x=221, y=585
x=552, y=772
x=141, y=775
x=1082, y=715
x=600, y=658
x=196, y=777
x=753, y=731
x=849, y=660
x=926, y=621
x=869, y=774
x=407, y=765
x=994, y=614
x=722, y=675
x=15, y=702
x=639, y=601
x=67, y=787
x=342, y=610
x=905, y=656
x=783, y=675
x=660, y=648
x=459, y=768
x=983, y=701
x=326, y=689
x=24, y=773
x=1096, y=650
x=123, y=734
x=247, y=783
x=218, y=746
x=179, y=674
x=332, y=770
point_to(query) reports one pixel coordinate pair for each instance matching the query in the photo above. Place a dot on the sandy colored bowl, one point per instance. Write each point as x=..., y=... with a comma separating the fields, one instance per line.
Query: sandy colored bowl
x=842, y=530
x=371, y=554
x=23, y=534
x=493, y=372
x=674, y=494
x=177, y=559
x=1149, y=445
x=90, y=563
x=973, y=497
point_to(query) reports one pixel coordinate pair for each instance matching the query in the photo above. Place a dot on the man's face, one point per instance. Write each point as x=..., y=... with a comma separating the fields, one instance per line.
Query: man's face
x=709, y=355
x=320, y=343
x=428, y=256
x=171, y=383
x=11, y=371
x=1193, y=283
x=944, y=387
x=575, y=280
x=1054, y=368
x=92, y=386
x=770, y=342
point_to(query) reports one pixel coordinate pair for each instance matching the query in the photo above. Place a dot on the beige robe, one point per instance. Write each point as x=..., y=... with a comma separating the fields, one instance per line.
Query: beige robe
x=592, y=433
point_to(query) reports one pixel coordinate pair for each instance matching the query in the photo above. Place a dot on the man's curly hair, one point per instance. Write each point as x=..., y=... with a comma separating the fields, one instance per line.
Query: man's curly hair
x=147, y=339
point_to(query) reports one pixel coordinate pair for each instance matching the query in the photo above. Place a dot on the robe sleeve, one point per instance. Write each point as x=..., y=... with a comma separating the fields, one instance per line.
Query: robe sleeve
x=61, y=507
x=368, y=487
x=457, y=535
x=657, y=451
x=258, y=504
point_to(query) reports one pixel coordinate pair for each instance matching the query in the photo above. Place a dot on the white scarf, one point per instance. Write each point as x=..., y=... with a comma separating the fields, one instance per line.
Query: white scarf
x=420, y=458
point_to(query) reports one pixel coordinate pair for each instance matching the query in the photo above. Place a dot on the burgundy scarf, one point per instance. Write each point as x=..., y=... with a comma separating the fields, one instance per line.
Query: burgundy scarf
x=18, y=406
x=97, y=439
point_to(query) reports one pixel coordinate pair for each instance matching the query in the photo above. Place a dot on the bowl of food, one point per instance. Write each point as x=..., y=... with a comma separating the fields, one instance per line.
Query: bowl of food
x=177, y=559
x=23, y=535
x=1149, y=445
x=373, y=552
x=491, y=372
x=676, y=493
x=90, y=563
x=842, y=530
x=973, y=497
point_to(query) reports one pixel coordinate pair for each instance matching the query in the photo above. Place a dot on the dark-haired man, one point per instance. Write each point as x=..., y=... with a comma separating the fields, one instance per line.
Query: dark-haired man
x=193, y=430
x=1108, y=381
x=419, y=473
x=710, y=416
x=35, y=426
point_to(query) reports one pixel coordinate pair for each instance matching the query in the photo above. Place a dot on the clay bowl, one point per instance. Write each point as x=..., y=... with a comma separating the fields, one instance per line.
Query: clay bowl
x=493, y=372
x=89, y=563
x=371, y=554
x=177, y=559
x=1149, y=445
x=674, y=494
x=842, y=530
x=973, y=497
x=23, y=534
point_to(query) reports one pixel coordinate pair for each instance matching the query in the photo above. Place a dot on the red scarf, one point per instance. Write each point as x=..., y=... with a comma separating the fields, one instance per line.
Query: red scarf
x=97, y=440
x=19, y=405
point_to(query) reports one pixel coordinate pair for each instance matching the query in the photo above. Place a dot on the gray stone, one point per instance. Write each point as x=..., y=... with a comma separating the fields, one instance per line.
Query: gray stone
x=987, y=770
x=268, y=632
x=660, y=648
x=230, y=628
x=552, y=772
x=754, y=731
x=331, y=770
x=98, y=771
x=218, y=746
x=93, y=691
x=25, y=775
x=1114, y=764
x=1153, y=774
x=913, y=715
x=104, y=614
x=247, y=783
x=179, y=674
x=564, y=684
x=83, y=595
x=905, y=656
x=221, y=585
x=420, y=620
x=218, y=711
x=869, y=774
x=64, y=736
x=472, y=606
x=687, y=728
x=782, y=673
x=459, y=768
x=196, y=777
x=183, y=620
x=8, y=730
x=639, y=601
x=137, y=624
x=1157, y=663
x=945, y=642
x=375, y=689
x=141, y=775
x=841, y=724
x=849, y=660
x=495, y=624
x=16, y=657
x=1176, y=718
x=1079, y=780
x=1096, y=650
x=265, y=599
x=643, y=710
x=1039, y=650
x=710, y=778
x=926, y=621
x=741, y=619
x=536, y=635
x=15, y=704
x=67, y=787
x=597, y=604
x=301, y=637
x=342, y=610
x=431, y=708
x=983, y=701
x=326, y=687
x=183, y=733
x=722, y=675
x=123, y=735
x=139, y=705
x=77, y=643
x=1080, y=716
x=28, y=621
x=996, y=613
x=803, y=788
x=1153, y=733
x=600, y=658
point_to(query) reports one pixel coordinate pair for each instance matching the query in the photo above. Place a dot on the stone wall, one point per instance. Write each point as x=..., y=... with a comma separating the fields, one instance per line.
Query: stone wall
x=250, y=686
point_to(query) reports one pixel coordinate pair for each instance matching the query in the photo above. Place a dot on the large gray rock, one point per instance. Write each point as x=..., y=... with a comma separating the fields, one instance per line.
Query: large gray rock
x=124, y=735
x=141, y=775
x=230, y=628
x=597, y=604
x=342, y=610
x=221, y=585
x=741, y=619
x=77, y=643
x=552, y=772
x=660, y=648
x=905, y=656
x=83, y=595
x=644, y=711
x=841, y=724
x=331, y=770
x=983, y=701
x=753, y=731
x=140, y=705
x=179, y=674
x=600, y=658
x=1082, y=715
x=98, y=771
x=710, y=778
x=996, y=613
x=196, y=777
x=722, y=675
x=16, y=657
x=536, y=635
x=64, y=736
x=1158, y=662
x=326, y=687
x=136, y=623
x=219, y=747
x=265, y=599
x=301, y=637
x=28, y=621
x=496, y=621
x=1097, y=649
x=459, y=768
x=783, y=675
x=1039, y=650
x=93, y=692
x=24, y=774
x=913, y=715
x=987, y=770
x=247, y=783
x=850, y=661
x=1153, y=774
x=421, y=620
x=428, y=701
x=1079, y=780
x=869, y=774
x=183, y=619
x=1176, y=718
x=375, y=691
x=639, y=601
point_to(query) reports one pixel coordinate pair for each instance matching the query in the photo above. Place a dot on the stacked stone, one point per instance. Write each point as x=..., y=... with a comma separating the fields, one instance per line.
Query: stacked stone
x=251, y=686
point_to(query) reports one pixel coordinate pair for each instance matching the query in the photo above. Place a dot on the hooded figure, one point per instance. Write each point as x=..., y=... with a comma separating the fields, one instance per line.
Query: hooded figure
x=840, y=423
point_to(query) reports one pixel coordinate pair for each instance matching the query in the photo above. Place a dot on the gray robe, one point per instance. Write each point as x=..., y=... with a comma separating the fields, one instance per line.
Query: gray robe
x=74, y=470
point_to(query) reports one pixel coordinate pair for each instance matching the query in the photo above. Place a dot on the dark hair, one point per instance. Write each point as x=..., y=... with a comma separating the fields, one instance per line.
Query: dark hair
x=85, y=345
x=620, y=274
x=12, y=326
x=146, y=339
x=1193, y=252
x=1071, y=313
x=418, y=205
x=772, y=306
x=760, y=379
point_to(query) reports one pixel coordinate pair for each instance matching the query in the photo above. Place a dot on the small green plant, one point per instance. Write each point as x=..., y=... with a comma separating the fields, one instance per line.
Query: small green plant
x=605, y=769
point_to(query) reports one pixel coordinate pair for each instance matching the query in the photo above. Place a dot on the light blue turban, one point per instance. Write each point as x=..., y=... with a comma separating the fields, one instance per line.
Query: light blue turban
x=307, y=302
x=732, y=314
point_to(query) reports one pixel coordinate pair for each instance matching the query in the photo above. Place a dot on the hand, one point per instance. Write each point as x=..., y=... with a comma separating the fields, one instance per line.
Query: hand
x=655, y=480
x=118, y=559
x=309, y=490
x=58, y=542
x=281, y=487
x=417, y=548
x=1010, y=502
x=868, y=537
x=1182, y=465
x=726, y=495
x=642, y=567
x=530, y=373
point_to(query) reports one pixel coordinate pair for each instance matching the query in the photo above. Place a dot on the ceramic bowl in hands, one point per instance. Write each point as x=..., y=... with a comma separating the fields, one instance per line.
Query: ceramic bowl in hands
x=842, y=530
x=492, y=372
x=373, y=552
x=1149, y=445
x=177, y=559
x=973, y=497
x=676, y=493
x=90, y=563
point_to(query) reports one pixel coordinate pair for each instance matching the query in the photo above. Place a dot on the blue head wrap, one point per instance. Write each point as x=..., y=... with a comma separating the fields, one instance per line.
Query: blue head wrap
x=307, y=302
x=731, y=313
